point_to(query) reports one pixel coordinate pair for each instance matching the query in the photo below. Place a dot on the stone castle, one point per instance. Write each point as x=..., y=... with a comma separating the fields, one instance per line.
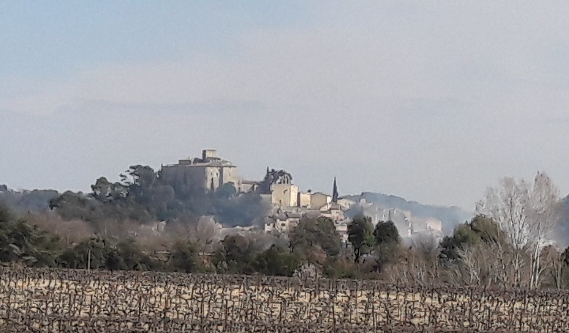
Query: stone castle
x=211, y=172
x=208, y=172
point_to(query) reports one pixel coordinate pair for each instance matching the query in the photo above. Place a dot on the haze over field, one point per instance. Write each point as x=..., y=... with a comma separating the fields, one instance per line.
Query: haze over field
x=431, y=101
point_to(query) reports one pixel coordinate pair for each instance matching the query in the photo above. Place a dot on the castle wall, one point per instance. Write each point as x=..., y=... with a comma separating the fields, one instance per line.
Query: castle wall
x=209, y=172
x=229, y=175
x=185, y=174
x=213, y=177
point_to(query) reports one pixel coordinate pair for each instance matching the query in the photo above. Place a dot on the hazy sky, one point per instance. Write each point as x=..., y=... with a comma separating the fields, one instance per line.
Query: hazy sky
x=429, y=100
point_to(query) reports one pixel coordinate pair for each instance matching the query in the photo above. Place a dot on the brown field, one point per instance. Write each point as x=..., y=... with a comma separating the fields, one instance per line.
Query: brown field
x=82, y=301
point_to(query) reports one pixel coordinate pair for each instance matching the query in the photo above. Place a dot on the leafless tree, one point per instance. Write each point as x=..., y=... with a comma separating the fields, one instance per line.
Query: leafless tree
x=528, y=214
x=418, y=264
x=71, y=232
x=488, y=264
x=552, y=258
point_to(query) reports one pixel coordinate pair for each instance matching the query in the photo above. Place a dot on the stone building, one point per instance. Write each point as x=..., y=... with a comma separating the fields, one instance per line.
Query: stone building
x=277, y=184
x=284, y=195
x=208, y=172
x=333, y=211
x=249, y=186
x=305, y=199
x=282, y=221
x=319, y=200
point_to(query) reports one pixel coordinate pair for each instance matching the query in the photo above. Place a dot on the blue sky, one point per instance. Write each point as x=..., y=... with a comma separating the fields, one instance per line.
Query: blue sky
x=432, y=101
x=59, y=38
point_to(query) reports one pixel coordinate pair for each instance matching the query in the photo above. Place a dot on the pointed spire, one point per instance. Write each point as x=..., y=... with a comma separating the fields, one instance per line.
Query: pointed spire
x=335, y=192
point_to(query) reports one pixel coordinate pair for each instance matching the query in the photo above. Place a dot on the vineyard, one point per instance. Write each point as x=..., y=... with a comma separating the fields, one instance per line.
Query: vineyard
x=34, y=300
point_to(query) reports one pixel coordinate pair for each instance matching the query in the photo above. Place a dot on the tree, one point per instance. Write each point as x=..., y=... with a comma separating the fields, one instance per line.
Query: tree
x=483, y=264
x=554, y=260
x=21, y=202
x=415, y=265
x=386, y=243
x=71, y=205
x=5, y=215
x=478, y=253
x=226, y=191
x=360, y=235
x=139, y=177
x=104, y=253
x=479, y=229
x=24, y=243
x=236, y=255
x=386, y=233
x=91, y=253
x=185, y=258
x=133, y=257
x=105, y=191
x=277, y=261
x=313, y=234
x=528, y=214
x=343, y=268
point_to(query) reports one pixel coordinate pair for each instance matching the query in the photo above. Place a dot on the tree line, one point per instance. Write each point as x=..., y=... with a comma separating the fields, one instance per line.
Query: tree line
x=513, y=241
x=143, y=195
x=477, y=253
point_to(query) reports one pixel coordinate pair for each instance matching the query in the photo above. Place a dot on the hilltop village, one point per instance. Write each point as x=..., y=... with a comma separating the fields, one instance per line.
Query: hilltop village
x=288, y=204
x=200, y=216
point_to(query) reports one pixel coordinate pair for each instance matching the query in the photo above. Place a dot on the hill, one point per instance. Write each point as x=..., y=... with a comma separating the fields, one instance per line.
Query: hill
x=449, y=216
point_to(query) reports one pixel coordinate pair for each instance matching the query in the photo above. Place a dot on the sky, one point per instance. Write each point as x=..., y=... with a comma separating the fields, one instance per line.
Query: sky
x=429, y=100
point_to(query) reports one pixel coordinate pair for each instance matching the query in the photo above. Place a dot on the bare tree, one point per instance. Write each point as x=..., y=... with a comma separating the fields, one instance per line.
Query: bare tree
x=553, y=260
x=71, y=232
x=487, y=264
x=545, y=217
x=528, y=214
x=418, y=264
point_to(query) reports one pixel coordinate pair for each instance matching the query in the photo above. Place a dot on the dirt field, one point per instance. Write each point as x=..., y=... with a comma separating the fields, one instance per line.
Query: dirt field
x=81, y=301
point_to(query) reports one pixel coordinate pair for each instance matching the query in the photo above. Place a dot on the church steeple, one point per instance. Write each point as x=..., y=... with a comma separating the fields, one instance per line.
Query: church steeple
x=335, y=192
